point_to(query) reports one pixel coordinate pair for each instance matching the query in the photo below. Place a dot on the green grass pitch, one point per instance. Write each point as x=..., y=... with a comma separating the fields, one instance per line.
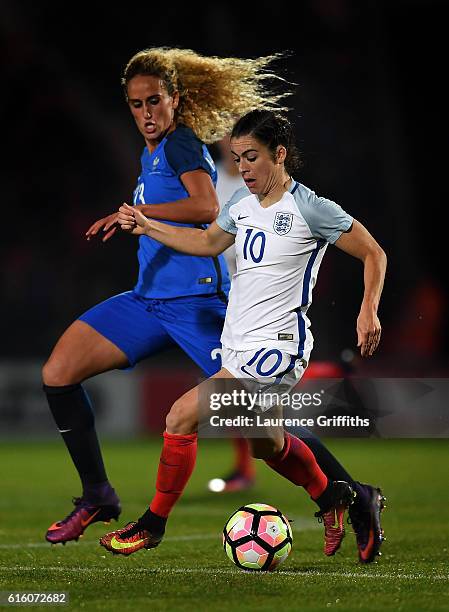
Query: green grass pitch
x=190, y=570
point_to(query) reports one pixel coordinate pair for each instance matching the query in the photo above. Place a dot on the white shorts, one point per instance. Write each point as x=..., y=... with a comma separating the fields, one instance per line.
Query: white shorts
x=268, y=372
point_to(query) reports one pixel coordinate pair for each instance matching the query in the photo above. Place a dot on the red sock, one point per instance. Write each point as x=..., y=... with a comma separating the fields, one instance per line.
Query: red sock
x=297, y=463
x=175, y=467
x=244, y=461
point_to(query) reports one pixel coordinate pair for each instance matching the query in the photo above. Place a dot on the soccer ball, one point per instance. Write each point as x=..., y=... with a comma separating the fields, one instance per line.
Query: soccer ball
x=257, y=537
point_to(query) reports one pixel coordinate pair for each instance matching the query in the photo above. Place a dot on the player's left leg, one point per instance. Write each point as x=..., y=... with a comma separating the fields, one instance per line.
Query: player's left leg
x=368, y=502
x=117, y=333
x=291, y=458
x=365, y=512
x=272, y=373
x=366, y=507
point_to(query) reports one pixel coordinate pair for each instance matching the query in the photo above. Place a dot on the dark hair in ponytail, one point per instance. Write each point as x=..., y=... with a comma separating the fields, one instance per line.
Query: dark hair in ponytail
x=271, y=129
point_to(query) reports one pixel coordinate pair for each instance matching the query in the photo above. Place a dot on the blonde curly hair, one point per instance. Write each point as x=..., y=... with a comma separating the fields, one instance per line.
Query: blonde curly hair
x=213, y=91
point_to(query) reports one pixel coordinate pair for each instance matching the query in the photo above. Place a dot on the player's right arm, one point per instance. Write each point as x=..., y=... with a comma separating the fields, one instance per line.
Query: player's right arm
x=205, y=243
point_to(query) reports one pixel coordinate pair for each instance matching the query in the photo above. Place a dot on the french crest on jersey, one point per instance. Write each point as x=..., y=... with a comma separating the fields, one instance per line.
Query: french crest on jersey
x=282, y=223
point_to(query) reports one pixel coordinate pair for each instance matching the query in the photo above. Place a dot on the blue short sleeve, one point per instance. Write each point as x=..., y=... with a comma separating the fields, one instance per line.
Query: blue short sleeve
x=326, y=219
x=224, y=219
x=185, y=152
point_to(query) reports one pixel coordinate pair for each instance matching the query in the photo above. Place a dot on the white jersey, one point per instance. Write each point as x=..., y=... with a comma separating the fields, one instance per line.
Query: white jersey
x=278, y=253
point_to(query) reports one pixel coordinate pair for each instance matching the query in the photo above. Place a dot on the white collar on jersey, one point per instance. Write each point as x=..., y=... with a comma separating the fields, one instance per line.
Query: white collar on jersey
x=294, y=186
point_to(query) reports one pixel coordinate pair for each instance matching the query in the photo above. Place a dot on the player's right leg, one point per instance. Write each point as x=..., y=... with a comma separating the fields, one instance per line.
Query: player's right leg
x=176, y=465
x=368, y=504
x=114, y=334
x=195, y=324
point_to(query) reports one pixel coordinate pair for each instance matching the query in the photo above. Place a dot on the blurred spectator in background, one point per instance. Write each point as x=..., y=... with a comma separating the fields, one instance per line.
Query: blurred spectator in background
x=228, y=181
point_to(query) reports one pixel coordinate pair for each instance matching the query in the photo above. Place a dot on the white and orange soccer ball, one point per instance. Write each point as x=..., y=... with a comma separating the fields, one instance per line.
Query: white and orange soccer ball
x=257, y=537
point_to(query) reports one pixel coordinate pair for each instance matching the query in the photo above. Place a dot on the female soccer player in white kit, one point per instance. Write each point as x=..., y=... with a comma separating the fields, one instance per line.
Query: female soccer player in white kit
x=281, y=231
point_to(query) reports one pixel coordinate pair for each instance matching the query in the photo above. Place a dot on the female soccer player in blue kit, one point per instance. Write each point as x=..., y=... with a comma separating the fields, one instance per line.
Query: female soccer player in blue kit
x=281, y=231
x=179, y=100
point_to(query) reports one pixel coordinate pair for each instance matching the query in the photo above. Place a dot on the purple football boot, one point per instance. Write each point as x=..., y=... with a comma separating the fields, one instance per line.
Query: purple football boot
x=364, y=516
x=84, y=514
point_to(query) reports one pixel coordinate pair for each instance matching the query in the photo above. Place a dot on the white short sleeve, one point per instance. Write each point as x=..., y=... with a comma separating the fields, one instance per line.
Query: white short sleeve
x=224, y=219
x=325, y=218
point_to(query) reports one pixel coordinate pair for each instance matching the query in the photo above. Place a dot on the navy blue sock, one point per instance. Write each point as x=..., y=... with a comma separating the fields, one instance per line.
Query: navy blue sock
x=328, y=463
x=100, y=493
x=326, y=460
x=72, y=412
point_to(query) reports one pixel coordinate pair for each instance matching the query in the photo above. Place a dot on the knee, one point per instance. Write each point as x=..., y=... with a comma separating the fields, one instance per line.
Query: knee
x=56, y=372
x=182, y=418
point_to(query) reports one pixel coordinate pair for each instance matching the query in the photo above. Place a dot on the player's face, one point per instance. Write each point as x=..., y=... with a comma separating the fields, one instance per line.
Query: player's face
x=255, y=162
x=152, y=107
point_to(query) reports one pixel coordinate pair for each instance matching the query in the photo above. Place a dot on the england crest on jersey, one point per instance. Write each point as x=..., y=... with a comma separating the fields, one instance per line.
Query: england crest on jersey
x=283, y=223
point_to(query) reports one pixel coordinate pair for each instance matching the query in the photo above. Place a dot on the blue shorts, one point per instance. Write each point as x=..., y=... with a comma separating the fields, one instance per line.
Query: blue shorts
x=141, y=326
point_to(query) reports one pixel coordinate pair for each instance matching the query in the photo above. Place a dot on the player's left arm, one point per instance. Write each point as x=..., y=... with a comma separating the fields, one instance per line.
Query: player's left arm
x=359, y=243
x=200, y=207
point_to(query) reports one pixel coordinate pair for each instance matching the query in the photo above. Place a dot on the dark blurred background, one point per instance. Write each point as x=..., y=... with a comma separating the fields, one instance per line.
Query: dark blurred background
x=369, y=113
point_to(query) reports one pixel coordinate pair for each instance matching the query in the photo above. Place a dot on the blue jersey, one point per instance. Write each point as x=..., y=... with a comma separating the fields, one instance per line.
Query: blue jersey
x=163, y=272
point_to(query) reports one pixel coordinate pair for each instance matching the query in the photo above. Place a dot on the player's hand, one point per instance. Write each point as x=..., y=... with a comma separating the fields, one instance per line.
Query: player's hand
x=368, y=332
x=131, y=220
x=108, y=224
